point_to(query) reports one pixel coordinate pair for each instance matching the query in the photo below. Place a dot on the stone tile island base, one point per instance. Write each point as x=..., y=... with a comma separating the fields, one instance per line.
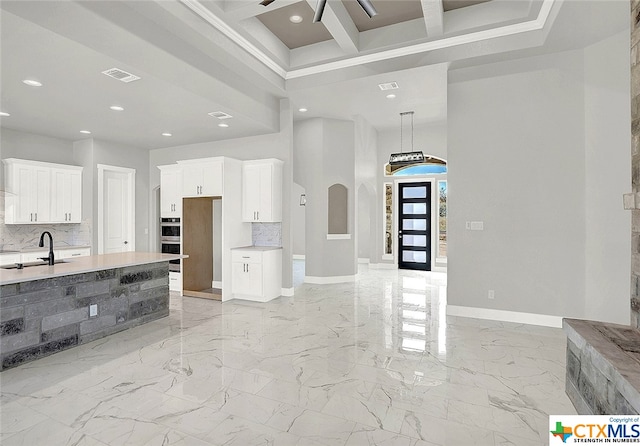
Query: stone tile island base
x=603, y=367
x=41, y=317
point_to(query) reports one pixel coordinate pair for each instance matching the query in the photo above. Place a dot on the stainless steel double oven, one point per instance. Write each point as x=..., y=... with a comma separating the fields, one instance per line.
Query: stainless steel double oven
x=170, y=240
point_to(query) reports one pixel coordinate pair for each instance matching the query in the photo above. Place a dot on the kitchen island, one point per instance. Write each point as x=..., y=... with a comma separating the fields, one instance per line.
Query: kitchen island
x=45, y=309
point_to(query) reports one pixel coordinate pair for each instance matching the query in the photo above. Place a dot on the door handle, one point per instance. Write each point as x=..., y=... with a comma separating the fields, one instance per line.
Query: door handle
x=69, y=216
x=65, y=216
x=36, y=216
x=31, y=217
x=126, y=242
x=258, y=215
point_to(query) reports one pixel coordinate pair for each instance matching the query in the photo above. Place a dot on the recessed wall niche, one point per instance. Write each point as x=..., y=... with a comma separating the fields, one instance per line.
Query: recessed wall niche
x=338, y=210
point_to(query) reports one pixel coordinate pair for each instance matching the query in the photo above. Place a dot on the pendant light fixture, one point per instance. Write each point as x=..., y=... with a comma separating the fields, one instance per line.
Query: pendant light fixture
x=402, y=158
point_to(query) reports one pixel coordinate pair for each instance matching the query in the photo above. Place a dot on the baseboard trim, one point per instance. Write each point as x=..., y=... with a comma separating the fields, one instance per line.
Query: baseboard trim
x=329, y=280
x=216, y=284
x=363, y=260
x=287, y=292
x=383, y=266
x=505, y=316
x=298, y=257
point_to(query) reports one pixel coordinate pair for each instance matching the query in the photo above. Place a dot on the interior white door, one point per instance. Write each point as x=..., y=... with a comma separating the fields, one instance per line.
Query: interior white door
x=117, y=218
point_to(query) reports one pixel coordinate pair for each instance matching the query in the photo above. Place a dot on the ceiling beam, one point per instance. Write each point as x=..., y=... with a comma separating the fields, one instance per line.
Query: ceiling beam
x=237, y=10
x=433, y=13
x=339, y=23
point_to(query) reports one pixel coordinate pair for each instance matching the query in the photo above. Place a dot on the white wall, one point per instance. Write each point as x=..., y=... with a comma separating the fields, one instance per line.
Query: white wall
x=324, y=152
x=517, y=161
x=31, y=146
x=607, y=164
x=368, y=225
x=298, y=214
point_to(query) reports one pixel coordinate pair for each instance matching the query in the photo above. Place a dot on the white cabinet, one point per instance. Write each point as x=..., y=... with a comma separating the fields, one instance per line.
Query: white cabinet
x=9, y=258
x=38, y=192
x=170, y=191
x=72, y=253
x=256, y=273
x=175, y=281
x=262, y=190
x=66, y=195
x=202, y=178
x=33, y=256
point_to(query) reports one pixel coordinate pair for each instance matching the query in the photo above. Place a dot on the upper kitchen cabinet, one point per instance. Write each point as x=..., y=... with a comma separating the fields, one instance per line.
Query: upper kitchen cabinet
x=170, y=191
x=66, y=195
x=262, y=190
x=39, y=192
x=202, y=177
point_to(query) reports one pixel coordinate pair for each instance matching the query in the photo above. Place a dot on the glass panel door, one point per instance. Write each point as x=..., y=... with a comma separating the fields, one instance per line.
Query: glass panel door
x=414, y=222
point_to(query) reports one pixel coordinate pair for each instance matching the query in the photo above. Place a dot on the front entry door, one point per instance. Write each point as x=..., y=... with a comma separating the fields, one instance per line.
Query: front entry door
x=414, y=226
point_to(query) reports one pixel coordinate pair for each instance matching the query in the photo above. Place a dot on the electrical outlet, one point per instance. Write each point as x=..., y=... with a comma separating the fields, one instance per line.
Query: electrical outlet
x=492, y=294
x=468, y=225
x=93, y=310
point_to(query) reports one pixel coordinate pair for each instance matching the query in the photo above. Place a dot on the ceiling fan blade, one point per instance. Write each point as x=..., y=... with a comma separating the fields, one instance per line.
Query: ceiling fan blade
x=266, y=2
x=317, y=17
x=368, y=8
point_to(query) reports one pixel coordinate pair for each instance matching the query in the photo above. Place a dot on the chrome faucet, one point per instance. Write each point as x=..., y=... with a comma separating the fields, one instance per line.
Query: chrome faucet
x=51, y=258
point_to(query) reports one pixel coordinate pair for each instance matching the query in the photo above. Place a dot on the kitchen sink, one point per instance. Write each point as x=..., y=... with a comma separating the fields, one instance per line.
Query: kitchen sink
x=30, y=264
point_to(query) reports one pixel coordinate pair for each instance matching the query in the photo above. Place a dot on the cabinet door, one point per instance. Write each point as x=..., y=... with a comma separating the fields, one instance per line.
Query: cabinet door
x=75, y=197
x=246, y=279
x=24, y=191
x=212, y=179
x=251, y=180
x=265, y=193
x=170, y=193
x=66, y=196
x=42, y=195
x=191, y=180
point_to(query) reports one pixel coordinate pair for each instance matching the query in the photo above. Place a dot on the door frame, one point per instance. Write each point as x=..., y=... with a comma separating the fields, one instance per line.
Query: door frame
x=433, y=182
x=131, y=190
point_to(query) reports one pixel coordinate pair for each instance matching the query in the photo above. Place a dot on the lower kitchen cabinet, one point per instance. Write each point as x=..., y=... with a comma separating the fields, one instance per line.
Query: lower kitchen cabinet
x=256, y=273
x=175, y=281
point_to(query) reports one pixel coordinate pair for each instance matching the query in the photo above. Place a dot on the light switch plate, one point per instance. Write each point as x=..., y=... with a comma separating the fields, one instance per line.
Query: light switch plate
x=629, y=201
x=93, y=310
x=477, y=225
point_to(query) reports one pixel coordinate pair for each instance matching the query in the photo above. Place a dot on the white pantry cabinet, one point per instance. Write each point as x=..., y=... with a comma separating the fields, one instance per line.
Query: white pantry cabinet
x=256, y=273
x=170, y=191
x=262, y=190
x=202, y=178
x=38, y=193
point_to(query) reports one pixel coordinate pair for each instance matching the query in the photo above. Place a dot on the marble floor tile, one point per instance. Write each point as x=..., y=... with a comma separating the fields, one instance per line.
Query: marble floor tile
x=375, y=362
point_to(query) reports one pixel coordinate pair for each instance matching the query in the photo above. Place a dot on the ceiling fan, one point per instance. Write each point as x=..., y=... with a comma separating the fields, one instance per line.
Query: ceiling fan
x=364, y=4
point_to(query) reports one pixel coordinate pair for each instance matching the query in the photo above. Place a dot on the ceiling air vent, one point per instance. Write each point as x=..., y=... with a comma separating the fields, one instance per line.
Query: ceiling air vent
x=220, y=115
x=389, y=86
x=121, y=75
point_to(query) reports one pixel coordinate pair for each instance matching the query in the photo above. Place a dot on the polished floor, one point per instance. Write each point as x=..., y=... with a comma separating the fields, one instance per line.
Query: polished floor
x=371, y=363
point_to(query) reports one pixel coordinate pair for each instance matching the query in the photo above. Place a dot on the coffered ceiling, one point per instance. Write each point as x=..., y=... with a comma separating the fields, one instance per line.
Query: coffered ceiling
x=200, y=56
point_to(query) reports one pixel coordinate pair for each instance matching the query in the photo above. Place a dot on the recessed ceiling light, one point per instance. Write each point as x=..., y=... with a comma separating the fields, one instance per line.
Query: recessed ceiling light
x=391, y=96
x=295, y=19
x=167, y=134
x=86, y=132
x=4, y=114
x=302, y=110
x=116, y=108
x=222, y=124
x=32, y=83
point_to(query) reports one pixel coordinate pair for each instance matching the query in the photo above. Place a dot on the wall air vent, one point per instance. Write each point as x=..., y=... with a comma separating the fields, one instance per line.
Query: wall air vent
x=389, y=86
x=220, y=115
x=121, y=75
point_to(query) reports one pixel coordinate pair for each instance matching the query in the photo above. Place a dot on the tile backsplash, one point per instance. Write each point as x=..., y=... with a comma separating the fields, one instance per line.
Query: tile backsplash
x=19, y=237
x=266, y=234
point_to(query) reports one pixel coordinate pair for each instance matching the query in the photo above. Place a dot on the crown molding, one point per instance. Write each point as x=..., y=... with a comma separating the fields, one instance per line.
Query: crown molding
x=532, y=25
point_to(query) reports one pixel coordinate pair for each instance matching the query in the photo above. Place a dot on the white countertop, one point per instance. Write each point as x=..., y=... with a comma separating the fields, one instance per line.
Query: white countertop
x=258, y=248
x=81, y=265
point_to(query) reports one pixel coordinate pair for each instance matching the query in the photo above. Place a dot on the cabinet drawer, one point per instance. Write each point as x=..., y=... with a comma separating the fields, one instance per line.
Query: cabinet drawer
x=9, y=258
x=246, y=256
x=70, y=253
